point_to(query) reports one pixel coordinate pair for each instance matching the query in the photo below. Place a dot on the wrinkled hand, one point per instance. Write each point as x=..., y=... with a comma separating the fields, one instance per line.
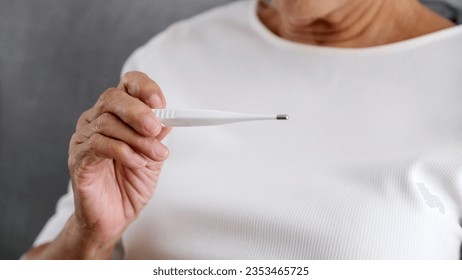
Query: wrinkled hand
x=115, y=158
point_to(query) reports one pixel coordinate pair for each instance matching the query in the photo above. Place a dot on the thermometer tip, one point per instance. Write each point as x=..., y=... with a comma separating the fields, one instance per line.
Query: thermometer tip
x=282, y=117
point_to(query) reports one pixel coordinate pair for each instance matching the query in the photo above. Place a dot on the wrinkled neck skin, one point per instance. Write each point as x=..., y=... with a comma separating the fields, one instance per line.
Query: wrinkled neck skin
x=349, y=23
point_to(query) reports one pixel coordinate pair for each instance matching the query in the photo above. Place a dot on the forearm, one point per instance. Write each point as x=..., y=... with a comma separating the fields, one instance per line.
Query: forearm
x=72, y=244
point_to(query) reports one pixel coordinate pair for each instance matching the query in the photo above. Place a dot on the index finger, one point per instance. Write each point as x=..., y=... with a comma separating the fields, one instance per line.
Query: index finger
x=140, y=86
x=128, y=109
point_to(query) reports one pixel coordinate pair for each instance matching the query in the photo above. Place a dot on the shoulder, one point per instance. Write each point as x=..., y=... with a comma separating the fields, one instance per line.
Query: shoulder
x=197, y=30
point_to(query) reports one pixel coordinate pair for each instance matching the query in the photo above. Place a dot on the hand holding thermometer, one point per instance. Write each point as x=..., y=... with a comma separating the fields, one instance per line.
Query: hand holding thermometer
x=170, y=117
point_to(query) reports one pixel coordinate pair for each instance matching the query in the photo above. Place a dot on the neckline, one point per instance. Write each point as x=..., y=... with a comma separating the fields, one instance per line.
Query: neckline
x=391, y=47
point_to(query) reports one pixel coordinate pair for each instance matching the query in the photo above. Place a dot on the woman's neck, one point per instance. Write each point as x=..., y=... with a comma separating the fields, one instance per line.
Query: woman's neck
x=357, y=24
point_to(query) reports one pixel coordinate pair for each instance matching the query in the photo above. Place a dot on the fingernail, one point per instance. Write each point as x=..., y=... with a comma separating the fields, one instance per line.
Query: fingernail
x=160, y=150
x=151, y=124
x=155, y=101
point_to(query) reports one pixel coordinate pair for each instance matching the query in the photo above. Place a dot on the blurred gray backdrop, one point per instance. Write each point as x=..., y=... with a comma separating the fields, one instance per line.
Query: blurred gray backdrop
x=56, y=57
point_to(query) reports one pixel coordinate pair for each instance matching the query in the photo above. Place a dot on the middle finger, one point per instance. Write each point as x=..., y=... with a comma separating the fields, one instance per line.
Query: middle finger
x=111, y=126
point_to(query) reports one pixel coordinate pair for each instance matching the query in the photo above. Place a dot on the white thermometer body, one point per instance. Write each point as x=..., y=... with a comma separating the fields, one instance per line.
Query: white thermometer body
x=171, y=117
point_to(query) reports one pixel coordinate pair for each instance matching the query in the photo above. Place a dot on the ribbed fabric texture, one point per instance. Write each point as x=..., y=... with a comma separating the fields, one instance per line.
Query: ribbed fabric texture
x=369, y=165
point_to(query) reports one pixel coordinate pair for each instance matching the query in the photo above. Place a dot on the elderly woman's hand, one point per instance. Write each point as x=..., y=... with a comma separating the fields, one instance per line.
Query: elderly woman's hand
x=115, y=158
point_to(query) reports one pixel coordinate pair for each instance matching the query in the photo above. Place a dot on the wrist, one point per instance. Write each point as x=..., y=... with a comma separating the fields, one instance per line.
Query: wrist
x=78, y=242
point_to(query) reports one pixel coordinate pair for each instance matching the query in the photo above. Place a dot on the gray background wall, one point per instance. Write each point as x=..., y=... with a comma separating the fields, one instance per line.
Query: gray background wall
x=56, y=57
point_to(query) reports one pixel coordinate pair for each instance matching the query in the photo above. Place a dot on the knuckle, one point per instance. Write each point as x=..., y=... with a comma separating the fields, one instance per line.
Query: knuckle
x=138, y=83
x=97, y=126
x=136, y=113
x=132, y=88
x=106, y=98
x=132, y=74
x=83, y=117
x=76, y=153
x=106, y=94
x=128, y=81
x=140, y=142
x=75, y=140
x=121, y=149
x=93, y=142
x=101, y=123
x=126, y=76
x=106, y=118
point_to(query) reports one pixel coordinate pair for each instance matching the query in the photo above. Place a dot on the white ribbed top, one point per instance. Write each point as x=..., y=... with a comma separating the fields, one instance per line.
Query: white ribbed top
x=369, y=166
